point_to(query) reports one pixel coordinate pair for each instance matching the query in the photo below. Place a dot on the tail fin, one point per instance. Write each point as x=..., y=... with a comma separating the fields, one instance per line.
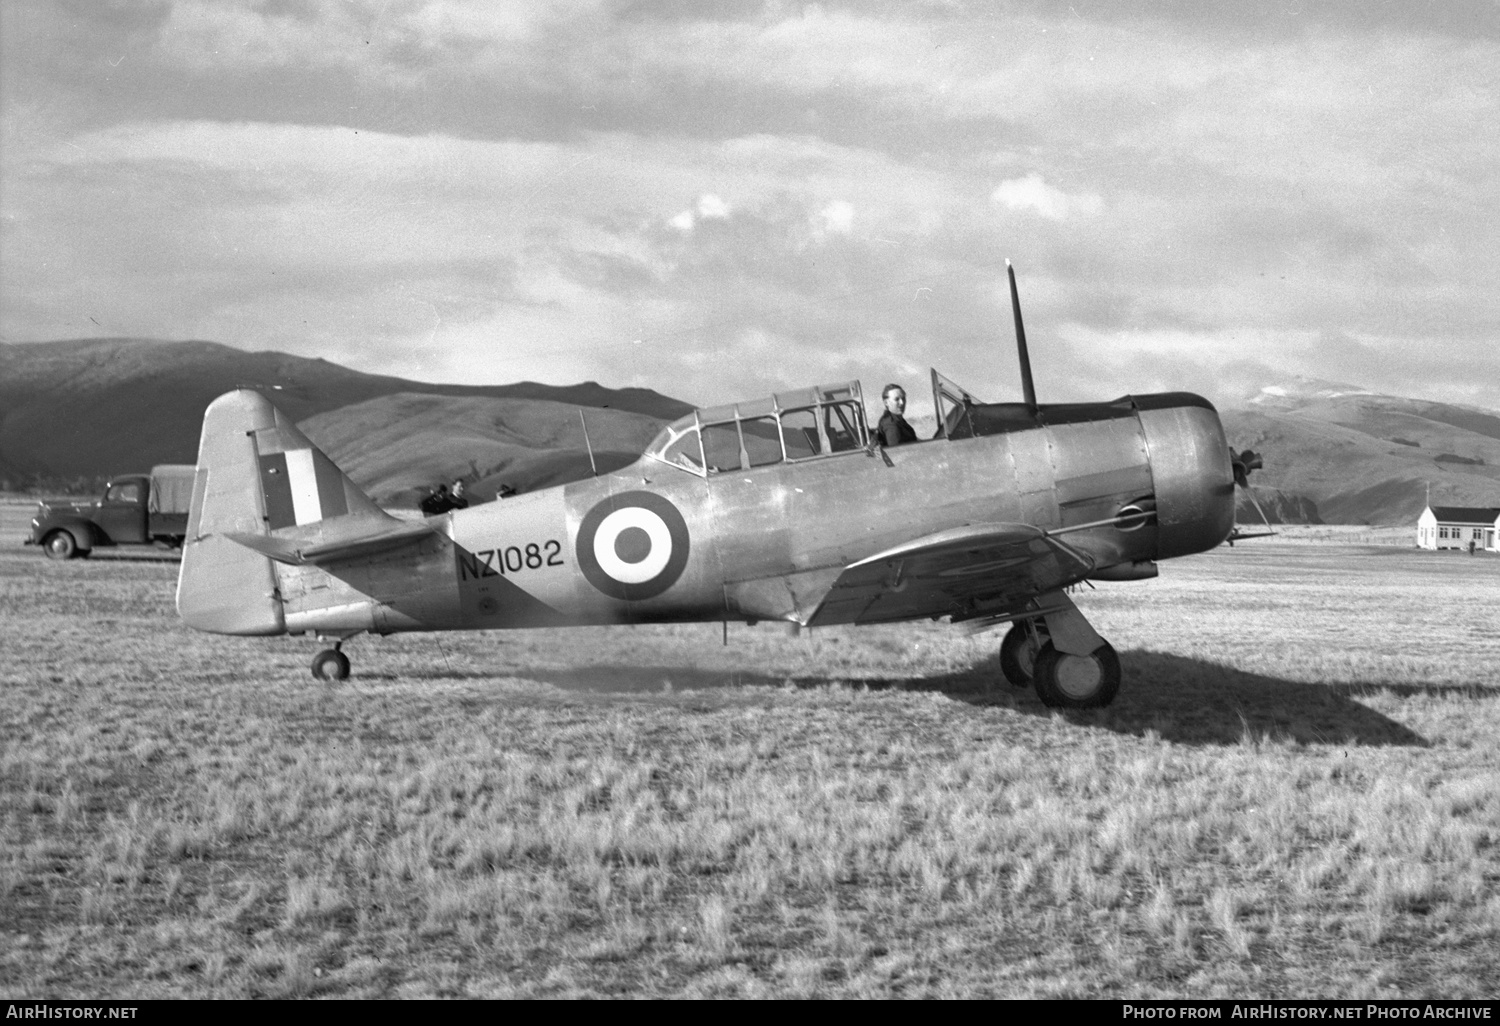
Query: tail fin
x=257, y=477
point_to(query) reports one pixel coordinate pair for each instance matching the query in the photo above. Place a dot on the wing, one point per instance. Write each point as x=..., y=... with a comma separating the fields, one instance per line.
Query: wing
x=978, y=570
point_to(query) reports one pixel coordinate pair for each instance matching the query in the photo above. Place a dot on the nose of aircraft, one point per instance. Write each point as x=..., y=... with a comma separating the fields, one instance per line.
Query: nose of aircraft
x=1190, y=470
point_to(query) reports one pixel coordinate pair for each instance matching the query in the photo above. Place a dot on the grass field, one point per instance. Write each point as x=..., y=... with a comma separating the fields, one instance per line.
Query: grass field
x=1297, y=793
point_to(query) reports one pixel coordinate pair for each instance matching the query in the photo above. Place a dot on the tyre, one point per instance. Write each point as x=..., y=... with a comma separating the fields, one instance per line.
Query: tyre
x=1019, y=650
x=60, y=545
x=330, y=664
x=1066, y=681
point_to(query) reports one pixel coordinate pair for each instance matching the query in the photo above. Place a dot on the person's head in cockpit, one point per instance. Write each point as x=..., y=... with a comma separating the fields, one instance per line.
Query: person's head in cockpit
x=893, y=428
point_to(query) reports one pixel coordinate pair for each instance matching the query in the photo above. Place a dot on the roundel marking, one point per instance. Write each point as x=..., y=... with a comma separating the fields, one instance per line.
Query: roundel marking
x=632, y=546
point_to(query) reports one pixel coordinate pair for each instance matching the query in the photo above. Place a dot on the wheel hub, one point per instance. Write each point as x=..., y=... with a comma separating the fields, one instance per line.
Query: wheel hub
x=1079, y=677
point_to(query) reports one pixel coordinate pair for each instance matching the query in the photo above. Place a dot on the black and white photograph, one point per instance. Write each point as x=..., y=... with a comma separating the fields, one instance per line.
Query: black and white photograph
x=739, y=499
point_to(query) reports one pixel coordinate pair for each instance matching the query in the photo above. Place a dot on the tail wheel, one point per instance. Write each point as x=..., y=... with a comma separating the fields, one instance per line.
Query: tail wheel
x=1066, y=681
x=1019, y=650
x=60, y=545
x=330, y=664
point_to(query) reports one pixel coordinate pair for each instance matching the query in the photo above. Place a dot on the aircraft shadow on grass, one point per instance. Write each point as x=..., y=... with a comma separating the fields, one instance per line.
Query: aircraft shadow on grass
x=1183, y=700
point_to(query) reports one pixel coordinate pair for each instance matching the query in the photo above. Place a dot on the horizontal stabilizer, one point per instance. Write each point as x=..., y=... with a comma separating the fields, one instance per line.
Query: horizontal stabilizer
x=381, y=535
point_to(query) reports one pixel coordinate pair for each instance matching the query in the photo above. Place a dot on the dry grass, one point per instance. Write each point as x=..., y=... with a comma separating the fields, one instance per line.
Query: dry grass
x=1297, y=793
x=1401, y=536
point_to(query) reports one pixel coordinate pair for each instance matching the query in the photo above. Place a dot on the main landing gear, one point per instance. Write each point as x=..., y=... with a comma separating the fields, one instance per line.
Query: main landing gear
x=331, y=663
x=1020, y=648
x=1066, y=681
x=1063, y=680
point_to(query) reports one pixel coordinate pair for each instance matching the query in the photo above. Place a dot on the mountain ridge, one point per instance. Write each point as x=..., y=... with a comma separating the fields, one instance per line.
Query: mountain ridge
x=1334, y=452
x=94, y=407
x=1362, y=456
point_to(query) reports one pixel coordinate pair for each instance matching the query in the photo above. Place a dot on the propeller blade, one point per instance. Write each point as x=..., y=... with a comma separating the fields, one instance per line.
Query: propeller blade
x=1256, y=503
x=1243, y=463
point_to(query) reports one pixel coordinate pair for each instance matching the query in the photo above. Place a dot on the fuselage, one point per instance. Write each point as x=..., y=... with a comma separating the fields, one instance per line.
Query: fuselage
x=764, y=532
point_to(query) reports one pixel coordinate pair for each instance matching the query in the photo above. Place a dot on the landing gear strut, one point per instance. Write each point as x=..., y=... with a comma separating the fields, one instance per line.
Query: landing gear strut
x=1019, y=650
x=1062, y=656
x=331, y=663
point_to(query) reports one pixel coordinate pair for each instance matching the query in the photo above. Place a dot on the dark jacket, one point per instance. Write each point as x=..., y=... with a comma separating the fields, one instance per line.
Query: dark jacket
x=436, y=502
x=894, y=430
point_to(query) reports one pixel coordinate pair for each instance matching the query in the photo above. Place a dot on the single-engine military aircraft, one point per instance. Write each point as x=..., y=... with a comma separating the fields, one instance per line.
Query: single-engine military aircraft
x=782, y=508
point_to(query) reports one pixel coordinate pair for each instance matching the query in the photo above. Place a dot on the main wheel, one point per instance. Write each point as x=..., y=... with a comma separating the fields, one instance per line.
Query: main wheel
x=60, y=545
x=1019, y=650
x=1066, y=681
x=330, y=664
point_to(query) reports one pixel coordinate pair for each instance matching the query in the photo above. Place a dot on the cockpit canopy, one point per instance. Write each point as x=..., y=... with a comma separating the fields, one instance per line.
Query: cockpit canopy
x=806, y=424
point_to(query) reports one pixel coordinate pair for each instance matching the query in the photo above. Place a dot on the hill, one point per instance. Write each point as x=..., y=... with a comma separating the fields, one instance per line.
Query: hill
x=94, y=407
x=1334, y=453
x=1361, y=457
x=395, y=446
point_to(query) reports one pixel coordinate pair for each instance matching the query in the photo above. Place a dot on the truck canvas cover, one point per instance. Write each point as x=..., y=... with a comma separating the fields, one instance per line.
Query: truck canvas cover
x=171, y=488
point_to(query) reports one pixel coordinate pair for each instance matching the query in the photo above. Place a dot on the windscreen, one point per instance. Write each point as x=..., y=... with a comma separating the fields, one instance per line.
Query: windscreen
x=679, y=445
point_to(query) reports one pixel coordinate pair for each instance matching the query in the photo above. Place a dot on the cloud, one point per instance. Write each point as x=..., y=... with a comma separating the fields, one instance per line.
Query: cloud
x=368, y=175
x=708, y=208
x=374, y=35
x=1034, y=194
x=712, y=207
x=449, y=259
x=837, y=217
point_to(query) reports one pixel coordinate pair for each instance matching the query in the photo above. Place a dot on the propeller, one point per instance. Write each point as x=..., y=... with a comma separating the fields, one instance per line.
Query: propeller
x=1243, y=463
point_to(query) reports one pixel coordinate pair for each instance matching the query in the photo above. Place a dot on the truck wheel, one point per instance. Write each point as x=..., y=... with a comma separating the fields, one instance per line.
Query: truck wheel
x=330, y=664
x=60, y=545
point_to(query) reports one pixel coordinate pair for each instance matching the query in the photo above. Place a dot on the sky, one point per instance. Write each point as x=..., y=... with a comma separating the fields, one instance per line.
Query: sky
x=722, y=199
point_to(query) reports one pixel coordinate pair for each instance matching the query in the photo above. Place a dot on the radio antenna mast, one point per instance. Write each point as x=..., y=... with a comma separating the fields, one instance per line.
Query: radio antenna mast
x=1028, y=388
x=586, y=443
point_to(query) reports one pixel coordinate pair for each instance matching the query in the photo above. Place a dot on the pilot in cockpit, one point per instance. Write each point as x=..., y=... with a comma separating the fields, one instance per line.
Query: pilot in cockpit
x=893, y=428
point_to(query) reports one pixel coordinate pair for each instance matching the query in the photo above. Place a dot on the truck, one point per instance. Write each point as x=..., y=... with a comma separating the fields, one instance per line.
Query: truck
x=135, y=509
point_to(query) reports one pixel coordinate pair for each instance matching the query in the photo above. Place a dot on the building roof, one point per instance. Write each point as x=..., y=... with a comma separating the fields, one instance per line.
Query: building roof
x=1466, y=514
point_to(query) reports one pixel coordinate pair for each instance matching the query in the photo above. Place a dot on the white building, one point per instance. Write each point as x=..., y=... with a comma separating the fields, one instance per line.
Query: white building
x=1454, y=527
